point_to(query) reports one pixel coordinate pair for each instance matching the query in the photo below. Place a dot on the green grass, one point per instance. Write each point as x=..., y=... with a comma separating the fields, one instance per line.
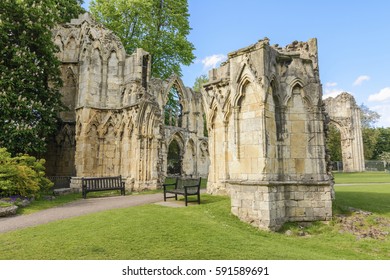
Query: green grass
x=42, y=204
x=369, y=191
x=207, y=231
x=362, y=177
x=5, y=204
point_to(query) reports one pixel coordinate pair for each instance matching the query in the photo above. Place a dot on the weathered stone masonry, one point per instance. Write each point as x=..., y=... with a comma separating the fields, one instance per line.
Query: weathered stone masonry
x=264, y=110
x=345, y=115
x=267, y=134
x=115, y=123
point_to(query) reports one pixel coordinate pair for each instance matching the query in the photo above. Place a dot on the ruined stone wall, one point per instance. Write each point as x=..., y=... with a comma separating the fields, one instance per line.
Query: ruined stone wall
x=266, y=134
x=115, y=122
x=345, y=115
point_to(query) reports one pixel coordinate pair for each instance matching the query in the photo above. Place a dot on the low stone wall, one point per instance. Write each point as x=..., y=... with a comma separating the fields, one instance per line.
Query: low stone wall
x=270, y=205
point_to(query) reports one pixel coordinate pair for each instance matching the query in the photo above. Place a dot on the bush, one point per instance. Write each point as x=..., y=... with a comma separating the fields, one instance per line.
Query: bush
x=22, y=175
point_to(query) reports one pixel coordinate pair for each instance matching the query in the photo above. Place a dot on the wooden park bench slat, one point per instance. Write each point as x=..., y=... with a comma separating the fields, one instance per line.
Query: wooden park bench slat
x=93, y=184
x=185, y=187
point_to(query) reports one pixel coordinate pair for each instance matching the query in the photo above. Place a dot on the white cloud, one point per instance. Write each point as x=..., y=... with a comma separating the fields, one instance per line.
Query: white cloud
x=360, y=80
x=212, y=61
x=383, y=111
x=382, y=95
x=331, y=92
x=331, y=84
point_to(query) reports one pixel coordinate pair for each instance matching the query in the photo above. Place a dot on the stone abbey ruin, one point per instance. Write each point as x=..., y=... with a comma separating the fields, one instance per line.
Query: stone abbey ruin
x=262, y=109
x=118, y=122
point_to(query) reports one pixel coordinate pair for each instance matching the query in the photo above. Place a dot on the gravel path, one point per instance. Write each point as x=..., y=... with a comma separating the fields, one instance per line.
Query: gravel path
x=77, y=208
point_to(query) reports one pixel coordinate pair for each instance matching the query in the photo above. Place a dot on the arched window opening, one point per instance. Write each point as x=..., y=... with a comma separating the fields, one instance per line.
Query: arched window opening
x=205, y=130
x=145, y=61
x=173, y=110
x=279, y=117
x=174, y=159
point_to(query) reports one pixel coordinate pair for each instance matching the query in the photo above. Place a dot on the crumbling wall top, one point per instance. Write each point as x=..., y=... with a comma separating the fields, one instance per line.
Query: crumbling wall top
x=306, y=51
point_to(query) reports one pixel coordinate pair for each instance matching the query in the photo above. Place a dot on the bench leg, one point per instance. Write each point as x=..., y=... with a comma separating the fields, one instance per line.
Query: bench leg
x=198, y=198
x=186, y=199
x=165, y=196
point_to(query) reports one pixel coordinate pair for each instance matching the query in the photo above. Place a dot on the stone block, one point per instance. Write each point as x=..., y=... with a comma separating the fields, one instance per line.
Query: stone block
x=298, y=195
x=305, y=203
x=299, y=211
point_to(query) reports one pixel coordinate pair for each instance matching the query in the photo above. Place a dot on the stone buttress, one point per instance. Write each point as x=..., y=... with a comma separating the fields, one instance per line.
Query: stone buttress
x=266, y=126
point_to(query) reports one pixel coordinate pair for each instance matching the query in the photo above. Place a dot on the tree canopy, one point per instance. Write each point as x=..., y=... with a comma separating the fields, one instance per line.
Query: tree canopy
x=158, y=26
x=29, y=72
x=368, y=117
x=199, y=81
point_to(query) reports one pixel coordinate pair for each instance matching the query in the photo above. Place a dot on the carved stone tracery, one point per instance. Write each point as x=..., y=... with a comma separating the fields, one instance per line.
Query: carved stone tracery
x=345, y=115
x=116, y=111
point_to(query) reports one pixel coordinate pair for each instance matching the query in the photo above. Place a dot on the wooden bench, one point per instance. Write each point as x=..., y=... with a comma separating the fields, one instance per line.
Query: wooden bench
x=185, y=187
x=94, y=184
x=60, y=182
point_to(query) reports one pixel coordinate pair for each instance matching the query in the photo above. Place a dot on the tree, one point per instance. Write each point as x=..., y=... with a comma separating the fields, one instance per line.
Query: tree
x=199, y=81
x=385, y=156
x=333, y=143
x=158, y=26
x=29, y=72
x=173, y=108
x=368, y=117
x=370, y=134
x=370, y=138
x=383, y=142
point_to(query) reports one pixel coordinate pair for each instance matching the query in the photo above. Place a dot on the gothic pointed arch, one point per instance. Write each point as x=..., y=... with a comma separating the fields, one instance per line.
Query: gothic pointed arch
x=345, y=115
x=175, y=102
x=245, y=79
x=175, y=155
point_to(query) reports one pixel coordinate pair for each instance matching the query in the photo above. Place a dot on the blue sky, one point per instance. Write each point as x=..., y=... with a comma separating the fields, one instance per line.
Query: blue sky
x=353, y=40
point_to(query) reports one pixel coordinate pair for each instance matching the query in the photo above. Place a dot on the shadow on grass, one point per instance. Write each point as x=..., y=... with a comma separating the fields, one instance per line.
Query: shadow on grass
x=204, y=199
x=378, y=203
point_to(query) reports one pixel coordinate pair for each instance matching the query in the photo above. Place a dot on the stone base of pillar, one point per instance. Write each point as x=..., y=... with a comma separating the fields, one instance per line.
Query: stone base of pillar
x=270, y=205
x=75, y=184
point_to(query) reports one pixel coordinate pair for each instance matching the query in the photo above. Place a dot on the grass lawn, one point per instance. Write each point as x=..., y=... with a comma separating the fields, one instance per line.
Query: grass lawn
x=208, y=231
x=362, y=177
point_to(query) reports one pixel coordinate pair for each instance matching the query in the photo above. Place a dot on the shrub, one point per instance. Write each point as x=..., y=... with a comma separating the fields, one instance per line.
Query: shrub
x=22, y=175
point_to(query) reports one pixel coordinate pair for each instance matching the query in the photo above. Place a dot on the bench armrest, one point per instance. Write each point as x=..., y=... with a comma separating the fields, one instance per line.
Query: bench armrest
x=169, y=186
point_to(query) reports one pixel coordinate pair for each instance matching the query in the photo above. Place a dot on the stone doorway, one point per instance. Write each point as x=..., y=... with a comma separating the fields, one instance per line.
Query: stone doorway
x=174, y=166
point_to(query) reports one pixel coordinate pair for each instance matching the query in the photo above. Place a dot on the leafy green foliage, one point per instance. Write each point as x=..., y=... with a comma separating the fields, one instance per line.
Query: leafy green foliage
x=368, y=117
x=173, y=108
x=199, y=81
x=29, y=72
x=383, y=142
x=385, y=156
x=158, y=26
x=174, y=158
x=370, y=138
x=22, y=175
x=333, y=143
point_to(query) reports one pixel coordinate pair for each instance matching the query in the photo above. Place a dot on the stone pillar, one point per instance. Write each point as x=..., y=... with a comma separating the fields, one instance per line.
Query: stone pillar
x=270, y=205
x=76, y=184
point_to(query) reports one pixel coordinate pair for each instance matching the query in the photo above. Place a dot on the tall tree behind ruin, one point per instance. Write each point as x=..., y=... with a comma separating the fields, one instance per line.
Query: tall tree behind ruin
x=158, y=26
x=29, y=75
